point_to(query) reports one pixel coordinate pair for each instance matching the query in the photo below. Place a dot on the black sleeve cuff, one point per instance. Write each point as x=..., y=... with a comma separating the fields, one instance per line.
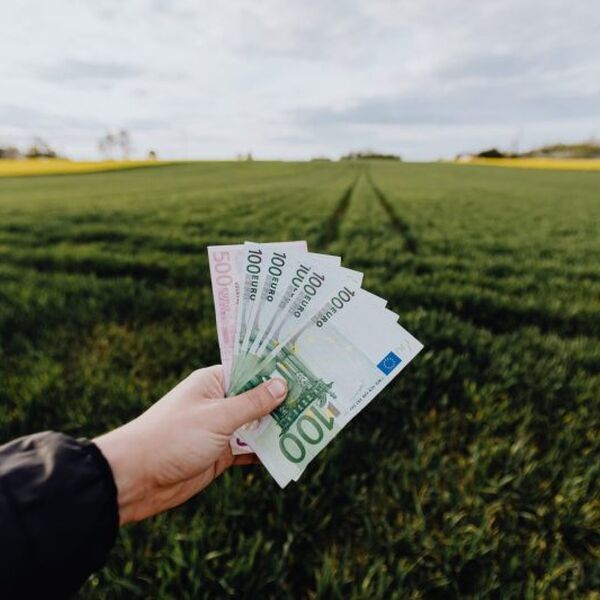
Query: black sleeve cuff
x=58, y=514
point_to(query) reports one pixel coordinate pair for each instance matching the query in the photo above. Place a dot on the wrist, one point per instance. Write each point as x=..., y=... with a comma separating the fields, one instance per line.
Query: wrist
x=121, y=451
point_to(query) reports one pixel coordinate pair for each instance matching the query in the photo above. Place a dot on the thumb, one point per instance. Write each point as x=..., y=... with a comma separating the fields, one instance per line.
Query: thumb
x=254, y=403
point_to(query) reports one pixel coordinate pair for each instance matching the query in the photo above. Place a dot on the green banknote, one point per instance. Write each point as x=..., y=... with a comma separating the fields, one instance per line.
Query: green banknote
x=335, y=364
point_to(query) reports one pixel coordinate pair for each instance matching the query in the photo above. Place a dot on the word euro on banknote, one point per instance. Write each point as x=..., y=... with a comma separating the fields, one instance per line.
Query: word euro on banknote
x=334, y=366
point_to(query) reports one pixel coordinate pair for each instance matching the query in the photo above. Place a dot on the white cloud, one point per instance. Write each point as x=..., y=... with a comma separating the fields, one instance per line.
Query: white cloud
x=295, y=79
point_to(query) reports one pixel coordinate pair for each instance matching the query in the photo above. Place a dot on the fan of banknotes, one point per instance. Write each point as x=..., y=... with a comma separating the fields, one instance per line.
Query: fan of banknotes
x=285, y=312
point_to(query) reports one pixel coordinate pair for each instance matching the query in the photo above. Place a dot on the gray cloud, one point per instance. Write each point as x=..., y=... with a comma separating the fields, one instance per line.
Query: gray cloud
x=73, y=69
x=45, y=121
x=488, y=66
x=338, y=31
x=476, y=103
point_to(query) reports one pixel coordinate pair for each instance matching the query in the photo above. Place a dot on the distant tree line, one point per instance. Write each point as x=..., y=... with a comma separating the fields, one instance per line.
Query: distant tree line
x=370, y=155
x=584, y=150
x=38, y=149
x=111, y=145
x=589, y=149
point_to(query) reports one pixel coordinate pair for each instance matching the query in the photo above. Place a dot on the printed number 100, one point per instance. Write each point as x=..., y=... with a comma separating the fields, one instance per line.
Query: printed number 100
x=309, y=429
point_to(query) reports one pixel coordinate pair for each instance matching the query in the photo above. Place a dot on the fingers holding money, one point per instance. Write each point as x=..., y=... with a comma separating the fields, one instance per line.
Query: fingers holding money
x=253, y=404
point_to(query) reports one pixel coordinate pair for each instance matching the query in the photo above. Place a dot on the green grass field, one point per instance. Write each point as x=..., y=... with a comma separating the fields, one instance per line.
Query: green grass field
x=474, y=475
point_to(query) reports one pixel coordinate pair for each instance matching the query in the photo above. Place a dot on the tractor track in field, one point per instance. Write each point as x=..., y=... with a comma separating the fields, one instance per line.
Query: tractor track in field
x=398, y=224
x=331, y=226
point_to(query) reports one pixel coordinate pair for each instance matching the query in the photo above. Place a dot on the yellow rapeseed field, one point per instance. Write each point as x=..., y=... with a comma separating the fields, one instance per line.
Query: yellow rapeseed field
x=58, y=166
x=26, y=167
x=565, y=164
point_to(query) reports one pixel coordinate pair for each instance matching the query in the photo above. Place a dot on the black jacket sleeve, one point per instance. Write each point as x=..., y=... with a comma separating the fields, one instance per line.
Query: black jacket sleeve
x=58, y=515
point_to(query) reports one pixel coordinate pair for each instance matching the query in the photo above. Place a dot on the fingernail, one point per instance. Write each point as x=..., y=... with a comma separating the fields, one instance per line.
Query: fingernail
x=277, y=388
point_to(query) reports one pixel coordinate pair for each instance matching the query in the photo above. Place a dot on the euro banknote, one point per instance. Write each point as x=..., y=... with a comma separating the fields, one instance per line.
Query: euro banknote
x=334, y=366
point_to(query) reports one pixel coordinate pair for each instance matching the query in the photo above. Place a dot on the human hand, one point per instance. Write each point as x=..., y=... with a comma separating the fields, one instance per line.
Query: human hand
x=181, y=443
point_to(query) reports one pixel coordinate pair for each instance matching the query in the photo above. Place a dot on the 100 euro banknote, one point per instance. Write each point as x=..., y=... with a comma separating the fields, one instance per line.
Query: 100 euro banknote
x=334, y=366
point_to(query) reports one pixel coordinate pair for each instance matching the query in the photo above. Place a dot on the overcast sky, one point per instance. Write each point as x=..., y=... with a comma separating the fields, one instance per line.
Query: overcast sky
x=295, y=79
